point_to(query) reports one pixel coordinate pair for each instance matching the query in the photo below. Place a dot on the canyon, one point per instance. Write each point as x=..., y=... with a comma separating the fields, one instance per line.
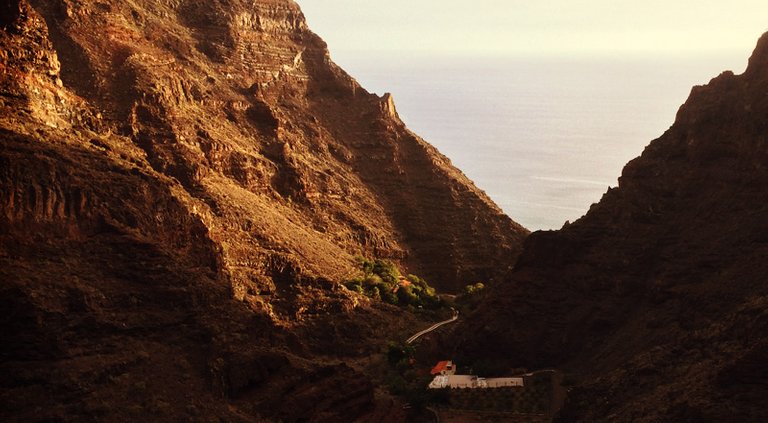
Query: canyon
x=186, y=186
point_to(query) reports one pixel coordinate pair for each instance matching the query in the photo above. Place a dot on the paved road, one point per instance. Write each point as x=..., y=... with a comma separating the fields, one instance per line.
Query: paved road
x=433, y=327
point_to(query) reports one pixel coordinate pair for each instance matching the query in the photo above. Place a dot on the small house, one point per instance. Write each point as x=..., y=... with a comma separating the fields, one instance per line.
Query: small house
x=446, y=377
x=444, y=368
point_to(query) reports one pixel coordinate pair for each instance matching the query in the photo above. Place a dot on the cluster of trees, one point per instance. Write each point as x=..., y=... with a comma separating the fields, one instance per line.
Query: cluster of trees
x=381, y=280
x=399, y=353
x=470, y=297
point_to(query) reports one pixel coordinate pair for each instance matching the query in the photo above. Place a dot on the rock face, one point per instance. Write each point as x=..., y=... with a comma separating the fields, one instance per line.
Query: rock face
x=182, y=187
x=656, y=301
x=240, y=103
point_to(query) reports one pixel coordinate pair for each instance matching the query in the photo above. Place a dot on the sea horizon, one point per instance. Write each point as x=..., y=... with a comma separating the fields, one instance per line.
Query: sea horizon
x=544, y=137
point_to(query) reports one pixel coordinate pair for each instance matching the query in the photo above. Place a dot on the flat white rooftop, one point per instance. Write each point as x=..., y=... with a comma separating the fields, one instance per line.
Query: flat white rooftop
x=473, y=382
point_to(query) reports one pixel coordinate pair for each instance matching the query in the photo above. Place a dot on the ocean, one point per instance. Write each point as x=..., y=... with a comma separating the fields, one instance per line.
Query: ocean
x=544, y=138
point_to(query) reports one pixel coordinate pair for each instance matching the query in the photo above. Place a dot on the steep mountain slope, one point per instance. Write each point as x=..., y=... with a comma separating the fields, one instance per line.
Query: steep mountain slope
x=239, y=102
x=183, y=185
x=656, y=301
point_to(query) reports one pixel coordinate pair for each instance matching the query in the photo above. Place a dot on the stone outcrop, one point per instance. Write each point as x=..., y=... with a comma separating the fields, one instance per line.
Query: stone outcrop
x=240, y=97
x=655, y=301
x=183, y=187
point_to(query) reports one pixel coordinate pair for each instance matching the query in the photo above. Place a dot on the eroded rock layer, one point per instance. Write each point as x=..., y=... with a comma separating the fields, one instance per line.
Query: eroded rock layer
x=656, y=301
x=183, y=187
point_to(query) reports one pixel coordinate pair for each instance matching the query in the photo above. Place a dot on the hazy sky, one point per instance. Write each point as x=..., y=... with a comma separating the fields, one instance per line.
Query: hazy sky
x=539, y=27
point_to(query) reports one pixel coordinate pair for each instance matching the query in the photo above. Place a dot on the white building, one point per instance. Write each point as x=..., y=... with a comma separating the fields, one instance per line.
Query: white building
x=502, y=382
x=454, y=381
x=473, y=382
x=446, y=378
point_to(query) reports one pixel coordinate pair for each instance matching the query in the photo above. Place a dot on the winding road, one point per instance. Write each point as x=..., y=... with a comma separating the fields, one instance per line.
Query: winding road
x=433, y=327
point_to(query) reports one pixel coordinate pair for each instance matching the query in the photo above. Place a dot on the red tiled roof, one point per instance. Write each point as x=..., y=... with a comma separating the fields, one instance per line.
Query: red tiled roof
x=439, y=367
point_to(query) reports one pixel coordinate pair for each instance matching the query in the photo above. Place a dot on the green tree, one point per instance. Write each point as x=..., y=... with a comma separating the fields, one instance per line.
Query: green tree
x=381, y=280
x=398, y=352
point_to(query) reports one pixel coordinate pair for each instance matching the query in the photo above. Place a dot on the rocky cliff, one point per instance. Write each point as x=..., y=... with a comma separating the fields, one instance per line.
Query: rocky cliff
x=656, y=302
x=183, y=185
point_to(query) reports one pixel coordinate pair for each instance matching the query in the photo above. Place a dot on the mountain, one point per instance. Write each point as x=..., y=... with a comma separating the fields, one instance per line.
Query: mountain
x=183, y=187
x=655, y=303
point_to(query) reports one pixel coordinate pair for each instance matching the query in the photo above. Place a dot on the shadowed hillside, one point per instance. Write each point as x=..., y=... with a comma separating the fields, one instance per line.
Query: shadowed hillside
x=184, y=185
x=655, y=302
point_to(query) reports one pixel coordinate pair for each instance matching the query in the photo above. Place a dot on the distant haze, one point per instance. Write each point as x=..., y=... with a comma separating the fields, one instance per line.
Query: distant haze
x=546, y=27
x=540, y=103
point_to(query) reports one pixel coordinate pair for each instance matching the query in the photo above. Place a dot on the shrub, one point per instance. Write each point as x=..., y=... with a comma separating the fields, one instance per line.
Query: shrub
x=474, y=289
x=381, y=280
x=405, y=296
x=397, y=352
x=374, y=293
x=355, y=285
